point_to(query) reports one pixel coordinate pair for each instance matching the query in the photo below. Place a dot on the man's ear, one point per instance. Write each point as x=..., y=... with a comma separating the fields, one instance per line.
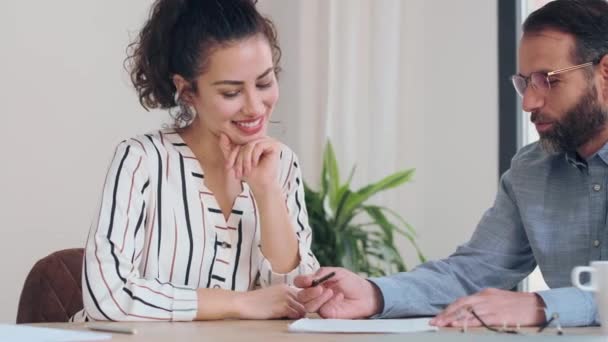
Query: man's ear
x=184, y=89
x=603, y=74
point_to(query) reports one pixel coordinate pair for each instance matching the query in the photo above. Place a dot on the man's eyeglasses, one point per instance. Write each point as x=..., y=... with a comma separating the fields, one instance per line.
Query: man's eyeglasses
x=541, y=80
x=554, y=319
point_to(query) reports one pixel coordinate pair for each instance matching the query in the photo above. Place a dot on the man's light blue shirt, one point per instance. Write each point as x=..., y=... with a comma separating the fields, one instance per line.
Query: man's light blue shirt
x=550, y=211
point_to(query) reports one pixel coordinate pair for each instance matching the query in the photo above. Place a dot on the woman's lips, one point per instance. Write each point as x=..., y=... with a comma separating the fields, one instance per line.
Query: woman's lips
x=250, y=127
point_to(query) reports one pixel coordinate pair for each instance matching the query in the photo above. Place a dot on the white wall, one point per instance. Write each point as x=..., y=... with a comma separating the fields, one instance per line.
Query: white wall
x=65, y=104
x=66, y=101
x=452, y=131
x=449, y=115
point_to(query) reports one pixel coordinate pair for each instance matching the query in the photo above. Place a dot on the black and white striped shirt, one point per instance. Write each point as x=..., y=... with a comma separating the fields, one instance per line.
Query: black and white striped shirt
x=160, y=235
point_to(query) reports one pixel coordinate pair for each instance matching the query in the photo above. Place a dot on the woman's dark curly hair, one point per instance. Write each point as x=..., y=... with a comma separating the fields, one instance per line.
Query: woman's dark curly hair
x=179, y=37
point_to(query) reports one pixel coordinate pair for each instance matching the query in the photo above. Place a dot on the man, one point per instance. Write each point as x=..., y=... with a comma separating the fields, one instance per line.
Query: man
x=550, y=209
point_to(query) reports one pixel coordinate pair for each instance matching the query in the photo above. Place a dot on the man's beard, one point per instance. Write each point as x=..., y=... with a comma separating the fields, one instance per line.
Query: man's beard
x=580, y=124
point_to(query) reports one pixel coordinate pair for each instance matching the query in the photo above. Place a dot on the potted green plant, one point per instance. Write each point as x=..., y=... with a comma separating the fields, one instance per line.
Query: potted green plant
x=350, y=232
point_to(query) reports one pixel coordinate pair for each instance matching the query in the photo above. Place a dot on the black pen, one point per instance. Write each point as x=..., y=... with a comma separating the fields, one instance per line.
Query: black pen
x=322, y=279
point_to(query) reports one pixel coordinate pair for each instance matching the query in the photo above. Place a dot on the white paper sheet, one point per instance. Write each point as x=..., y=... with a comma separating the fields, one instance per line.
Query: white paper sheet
x=362, y=326
x=12, y=332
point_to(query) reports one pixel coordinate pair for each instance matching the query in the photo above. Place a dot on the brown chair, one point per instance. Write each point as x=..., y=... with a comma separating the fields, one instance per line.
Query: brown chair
x=52, y=291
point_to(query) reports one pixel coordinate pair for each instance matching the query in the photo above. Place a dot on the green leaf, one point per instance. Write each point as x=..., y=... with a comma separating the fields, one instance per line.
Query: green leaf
x=351, y=175
x=399, y=218
x=386, y=226
x=386, y=183
x=332, y=174
x=408, y=235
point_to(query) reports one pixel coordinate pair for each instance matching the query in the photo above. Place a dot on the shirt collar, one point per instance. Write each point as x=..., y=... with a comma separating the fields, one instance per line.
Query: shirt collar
x=574, y=159
x=603, y=153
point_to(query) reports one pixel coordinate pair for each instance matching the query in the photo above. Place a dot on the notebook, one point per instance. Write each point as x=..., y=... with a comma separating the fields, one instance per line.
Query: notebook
x=394, y=326
x=12, y=332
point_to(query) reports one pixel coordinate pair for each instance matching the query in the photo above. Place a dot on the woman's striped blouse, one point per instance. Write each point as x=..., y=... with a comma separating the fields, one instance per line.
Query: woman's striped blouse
x=160, y=235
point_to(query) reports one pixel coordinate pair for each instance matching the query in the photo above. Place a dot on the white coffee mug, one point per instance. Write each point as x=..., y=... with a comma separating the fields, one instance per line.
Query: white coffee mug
x=598, y=283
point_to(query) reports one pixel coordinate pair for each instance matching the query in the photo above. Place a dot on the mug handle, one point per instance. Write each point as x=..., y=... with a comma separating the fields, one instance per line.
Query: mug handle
x=576, y=278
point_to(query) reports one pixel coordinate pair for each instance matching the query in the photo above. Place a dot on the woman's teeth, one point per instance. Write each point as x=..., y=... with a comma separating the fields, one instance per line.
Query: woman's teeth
x=249, y=124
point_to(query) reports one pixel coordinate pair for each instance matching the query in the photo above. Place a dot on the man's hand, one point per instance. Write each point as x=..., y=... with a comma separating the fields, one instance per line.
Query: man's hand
x=345, y=295
x=495, y=307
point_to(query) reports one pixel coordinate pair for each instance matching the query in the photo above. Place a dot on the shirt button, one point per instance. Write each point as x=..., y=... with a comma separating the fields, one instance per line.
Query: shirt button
x=596, y=243
x=597, y=187
x=216, y=286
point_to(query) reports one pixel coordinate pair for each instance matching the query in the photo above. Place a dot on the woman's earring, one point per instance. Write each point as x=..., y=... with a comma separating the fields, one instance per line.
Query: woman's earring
x=185, y=112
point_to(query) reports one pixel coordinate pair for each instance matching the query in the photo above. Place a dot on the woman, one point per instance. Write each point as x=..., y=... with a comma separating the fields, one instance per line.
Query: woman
x=205, y=220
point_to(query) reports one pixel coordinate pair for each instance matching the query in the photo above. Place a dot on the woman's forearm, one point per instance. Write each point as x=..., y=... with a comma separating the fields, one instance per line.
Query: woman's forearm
x=216, y=304
x=278, y=239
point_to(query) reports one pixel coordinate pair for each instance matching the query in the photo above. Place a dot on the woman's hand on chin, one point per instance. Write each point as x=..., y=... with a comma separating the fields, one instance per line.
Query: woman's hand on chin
x=255, y=162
